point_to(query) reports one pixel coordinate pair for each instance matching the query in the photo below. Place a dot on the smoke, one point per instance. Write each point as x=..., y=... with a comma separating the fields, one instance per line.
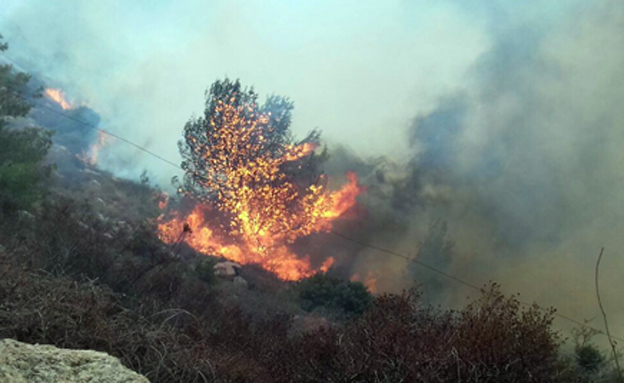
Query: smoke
x=526, y=162
x=525, y=165
x=354, y=71
x=501, y=118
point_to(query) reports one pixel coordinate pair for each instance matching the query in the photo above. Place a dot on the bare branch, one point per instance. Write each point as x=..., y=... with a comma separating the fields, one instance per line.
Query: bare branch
x=604, y=315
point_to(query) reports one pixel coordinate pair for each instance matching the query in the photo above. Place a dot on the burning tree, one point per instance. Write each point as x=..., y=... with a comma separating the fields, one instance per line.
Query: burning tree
x=237, y=134
x=261, y=189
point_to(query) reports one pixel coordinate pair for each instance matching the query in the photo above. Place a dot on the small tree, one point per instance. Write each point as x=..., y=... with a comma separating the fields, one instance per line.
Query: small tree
x=344, y=298
x=436, y=249
x=23, y=150
x=241, y=161
x=214, y=145
x=12, y=89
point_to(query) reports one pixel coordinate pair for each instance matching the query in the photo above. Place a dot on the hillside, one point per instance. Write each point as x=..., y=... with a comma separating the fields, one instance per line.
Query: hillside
x=83, y=265
x=83, y=268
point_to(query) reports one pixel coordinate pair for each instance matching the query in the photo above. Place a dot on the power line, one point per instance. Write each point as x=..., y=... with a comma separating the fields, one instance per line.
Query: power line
x=380, y=249
x=89, y=125
x=460, y=281
x=410, y=259
x=112, y=135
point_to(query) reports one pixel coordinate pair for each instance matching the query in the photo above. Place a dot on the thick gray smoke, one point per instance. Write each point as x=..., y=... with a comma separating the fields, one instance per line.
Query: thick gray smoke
x=501, y=118
x=526, y=165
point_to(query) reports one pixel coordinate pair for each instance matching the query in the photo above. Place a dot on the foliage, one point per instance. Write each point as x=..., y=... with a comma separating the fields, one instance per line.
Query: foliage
x=39, y=308
x=436, y=244
x=589, y=358
x=341, y=297
x=12, y=86
x=271, y=137
x=397, y=340
x=21, y=170
x=23, y=150
x=237, y=160
x=76, y=278
x=3, y=46
x=74, y=282
x=437, y=249
x=204, y=268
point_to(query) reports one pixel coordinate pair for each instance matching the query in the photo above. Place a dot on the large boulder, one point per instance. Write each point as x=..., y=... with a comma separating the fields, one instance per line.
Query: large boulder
x=227, y=269
x=26, y=363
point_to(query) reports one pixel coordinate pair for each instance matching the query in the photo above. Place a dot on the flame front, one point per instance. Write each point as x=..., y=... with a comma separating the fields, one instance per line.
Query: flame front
x=370, y=281
x=265, y=211
x=91, y=157
x=58, y=96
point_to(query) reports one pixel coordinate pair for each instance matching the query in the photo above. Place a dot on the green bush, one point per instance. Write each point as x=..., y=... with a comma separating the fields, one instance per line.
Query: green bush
x=22, y=172
x=204, y=269
x=341, y=297
x=589, y=358
x=23, y=150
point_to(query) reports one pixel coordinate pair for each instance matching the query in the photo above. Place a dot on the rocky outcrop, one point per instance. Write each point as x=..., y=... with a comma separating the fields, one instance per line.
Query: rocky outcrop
x=227, y=269
x=26, y=363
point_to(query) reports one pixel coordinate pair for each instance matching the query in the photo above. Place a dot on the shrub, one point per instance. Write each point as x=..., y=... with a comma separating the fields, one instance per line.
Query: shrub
x=21, y=169
x=23, y=150
x=39, y=308
x=492, y=340
x=344, y=298
x=589, y=358
x=204, y=269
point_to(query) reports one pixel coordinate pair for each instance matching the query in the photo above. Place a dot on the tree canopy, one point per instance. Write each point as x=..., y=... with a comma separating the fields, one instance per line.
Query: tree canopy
x=235, y=131
x=12, y=85
x=23, y=150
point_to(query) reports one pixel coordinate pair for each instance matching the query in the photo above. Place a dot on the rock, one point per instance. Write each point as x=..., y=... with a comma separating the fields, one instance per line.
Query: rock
x=240, y=281
x=311, y=322
x=121, y=227
x=26, y=363
x=90, y=171
x=25, y=216
x=227, y=269
x=84, y=225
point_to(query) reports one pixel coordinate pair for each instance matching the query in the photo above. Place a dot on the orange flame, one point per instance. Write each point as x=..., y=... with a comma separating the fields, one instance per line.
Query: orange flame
x=265, y=212
x=300, y=151
x=91, y=157
x=163, y=200
x=58, y=96
x=260, y=244
x=370, y=281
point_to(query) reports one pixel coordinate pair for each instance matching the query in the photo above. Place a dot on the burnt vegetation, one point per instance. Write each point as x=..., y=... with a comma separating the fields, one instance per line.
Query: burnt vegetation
x=86, y=270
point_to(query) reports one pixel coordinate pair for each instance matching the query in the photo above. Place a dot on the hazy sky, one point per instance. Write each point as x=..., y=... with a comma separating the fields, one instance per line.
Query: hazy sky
x=358, y=70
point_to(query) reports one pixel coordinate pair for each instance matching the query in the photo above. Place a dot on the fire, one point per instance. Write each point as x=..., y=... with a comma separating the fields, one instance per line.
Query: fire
x=370, y=281
x=163, y=200
x=254, y=211
x=91, y=157
x=58, y=96
x=261, y=242
x=300, y=151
